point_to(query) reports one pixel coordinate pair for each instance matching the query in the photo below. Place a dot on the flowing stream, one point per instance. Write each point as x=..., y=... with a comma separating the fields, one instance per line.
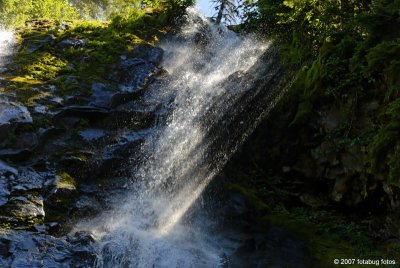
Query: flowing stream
x=215, y=93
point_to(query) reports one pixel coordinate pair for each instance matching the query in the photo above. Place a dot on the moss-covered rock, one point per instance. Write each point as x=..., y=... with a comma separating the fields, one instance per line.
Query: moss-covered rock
x=61, y=197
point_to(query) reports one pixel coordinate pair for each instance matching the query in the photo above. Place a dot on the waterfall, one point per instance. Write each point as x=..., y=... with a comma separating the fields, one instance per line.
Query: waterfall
x=6, y=44
x=216, y=90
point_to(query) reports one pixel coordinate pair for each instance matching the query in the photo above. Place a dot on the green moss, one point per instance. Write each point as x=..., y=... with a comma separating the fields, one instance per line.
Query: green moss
x=5, y=228
x=104, y=42
x=394, y=167
x=62, y=201
x=18, y=211
x=42, y=66
x=303, y=112
x=23, y=88
x=329, y=236
x=384, y=155
x=259, y=207
x=66, y=181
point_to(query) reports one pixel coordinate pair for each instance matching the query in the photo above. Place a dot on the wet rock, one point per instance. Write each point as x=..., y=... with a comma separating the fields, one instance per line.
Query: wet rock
x=12, y=114
x=41, y=228
x=75, y=43
x=4, y=192
x=133, y=136
x=27, y=179
x=91, y=134
x=46, y=134
x=76, y=162
x=35, y=45
x=127, y=145
x=125, y=116
x=26, y=208
x=88, y=111
x=62, y=193
x=89, y=188
x=148, y=53
x=82, y=252
x=15, y=155
x=122, y=97
x=7, y=170
x=87, y=206
x=50, y=100
x=25, y=139
x=81, y=238
x=134, y=74
x=30, y=249
x=40, y=109
x=127, y=150
x=101, y=95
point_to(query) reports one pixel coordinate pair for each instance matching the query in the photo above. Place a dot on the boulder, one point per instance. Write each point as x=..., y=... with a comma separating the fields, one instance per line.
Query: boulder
x=133, y=74
x=12, y=114
x=148, y=53
x=28, y=179
x=35, y=45
x=26, y=209
x=32, y=249
x=61, y=194
x=101, y=95
x=87, y=206
x=75, y=43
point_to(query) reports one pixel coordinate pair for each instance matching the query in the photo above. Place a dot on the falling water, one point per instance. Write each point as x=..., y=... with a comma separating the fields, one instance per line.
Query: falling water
x=6, y=44
x=208, y=103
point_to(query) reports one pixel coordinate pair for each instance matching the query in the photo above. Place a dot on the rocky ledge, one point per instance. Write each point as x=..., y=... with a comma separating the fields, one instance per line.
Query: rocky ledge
x=65, y=140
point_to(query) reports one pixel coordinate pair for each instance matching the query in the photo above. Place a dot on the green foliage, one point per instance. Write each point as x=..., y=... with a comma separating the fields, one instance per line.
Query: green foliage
x=384, y=150
x=383, y=60
x=348, y=54
x=70, y=69
x=330, y=235
x=14, y=13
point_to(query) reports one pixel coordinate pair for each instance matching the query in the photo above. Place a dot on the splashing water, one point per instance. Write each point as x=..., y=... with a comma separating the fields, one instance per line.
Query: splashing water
x=6, y=44
x=210, y=101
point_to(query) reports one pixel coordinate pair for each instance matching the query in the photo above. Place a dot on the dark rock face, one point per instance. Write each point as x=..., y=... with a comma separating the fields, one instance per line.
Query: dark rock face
x=101, y=96
x=63, y=156
x=12, y=115
x=149, y=53
x=4, y=192
x=134, y=74
x=15, y=155
x=278, y=247
x=35, y=249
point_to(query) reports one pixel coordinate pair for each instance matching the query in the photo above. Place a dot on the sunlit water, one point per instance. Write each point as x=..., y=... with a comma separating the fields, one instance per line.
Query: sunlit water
x=6, y=48
x=210, y=71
